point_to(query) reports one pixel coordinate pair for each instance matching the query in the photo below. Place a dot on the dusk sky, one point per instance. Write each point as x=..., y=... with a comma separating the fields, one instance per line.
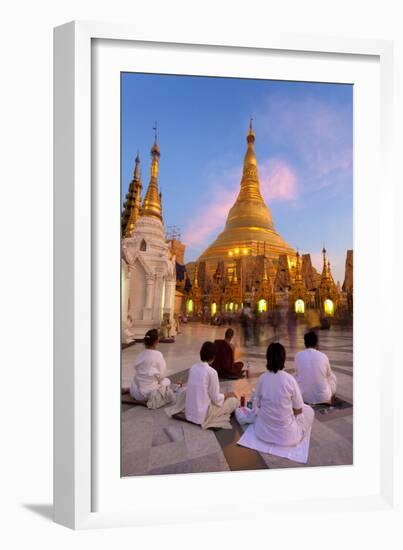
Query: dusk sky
x=304, y=146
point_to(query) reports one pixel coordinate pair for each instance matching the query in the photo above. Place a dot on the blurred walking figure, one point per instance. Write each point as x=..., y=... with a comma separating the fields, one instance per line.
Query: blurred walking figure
x=312, y=319
x=276, y=322
x=246, y=324
x=258, y=320
x=313, y=373
x=292, y=328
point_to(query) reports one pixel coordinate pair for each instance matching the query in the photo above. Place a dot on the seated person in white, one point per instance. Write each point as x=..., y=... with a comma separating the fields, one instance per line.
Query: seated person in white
x=313, y=373
x=282, y=417
x=202, y=400
x=149, y=382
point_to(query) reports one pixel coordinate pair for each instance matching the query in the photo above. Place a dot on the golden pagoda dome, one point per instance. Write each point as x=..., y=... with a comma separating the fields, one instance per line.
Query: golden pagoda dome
x=249, y=229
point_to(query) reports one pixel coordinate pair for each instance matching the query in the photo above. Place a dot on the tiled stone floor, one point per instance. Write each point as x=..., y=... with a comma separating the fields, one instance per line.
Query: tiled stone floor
x=152, y=443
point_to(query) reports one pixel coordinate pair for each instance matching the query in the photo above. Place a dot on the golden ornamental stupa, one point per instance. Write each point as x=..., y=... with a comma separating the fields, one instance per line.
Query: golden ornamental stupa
x=249, y=230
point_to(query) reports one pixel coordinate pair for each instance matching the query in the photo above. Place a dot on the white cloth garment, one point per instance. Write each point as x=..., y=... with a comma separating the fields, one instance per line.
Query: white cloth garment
x=314, y=376
x=203, y=388
x=160, y=397
x=217, y=416
x=277, y=395
x=297, y=453
x=149, y=374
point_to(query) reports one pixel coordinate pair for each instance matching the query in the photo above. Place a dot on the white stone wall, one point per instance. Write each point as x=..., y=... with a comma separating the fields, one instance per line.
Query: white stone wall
x=150, y=279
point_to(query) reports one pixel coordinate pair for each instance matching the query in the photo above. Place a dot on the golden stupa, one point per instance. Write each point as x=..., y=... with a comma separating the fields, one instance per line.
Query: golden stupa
x=249, y=230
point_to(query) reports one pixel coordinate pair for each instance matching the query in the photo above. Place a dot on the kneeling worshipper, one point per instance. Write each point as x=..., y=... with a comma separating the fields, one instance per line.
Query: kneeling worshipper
x=202, y=401
x=282, y=417
x=314, y=374
x=224, y=361
x=149, y=382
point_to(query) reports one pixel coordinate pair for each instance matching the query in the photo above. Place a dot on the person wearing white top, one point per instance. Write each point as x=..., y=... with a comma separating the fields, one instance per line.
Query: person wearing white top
x=202, y=401
x=149, y=382
x=313, y=373
x=282, y=417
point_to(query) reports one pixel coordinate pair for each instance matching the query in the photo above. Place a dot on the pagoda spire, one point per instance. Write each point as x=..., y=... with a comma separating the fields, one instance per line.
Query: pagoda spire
x=136, y=201
x=132, y=204
x=152, y=200
x=326, y=273
x=249, y=209
x=298, y=274
x=329, y=272
x=195, y=278
x=324, y=269
x=250, y=188
x=249, y=220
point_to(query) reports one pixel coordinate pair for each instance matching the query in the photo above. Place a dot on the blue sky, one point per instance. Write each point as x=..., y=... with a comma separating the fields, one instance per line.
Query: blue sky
x=304, y=140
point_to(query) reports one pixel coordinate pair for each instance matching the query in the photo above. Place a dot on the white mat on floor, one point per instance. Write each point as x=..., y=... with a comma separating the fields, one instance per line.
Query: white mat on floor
x=297, y=453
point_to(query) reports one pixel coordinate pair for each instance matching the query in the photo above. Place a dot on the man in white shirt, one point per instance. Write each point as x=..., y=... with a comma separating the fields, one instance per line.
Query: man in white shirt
x=313, y=373
x=202, y=401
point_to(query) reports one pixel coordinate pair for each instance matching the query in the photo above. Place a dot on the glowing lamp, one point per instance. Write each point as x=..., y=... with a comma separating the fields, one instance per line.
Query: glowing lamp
x=262, y=306
x=329, y=307
x=213, y=308
x=190, y=306
x=299, y=306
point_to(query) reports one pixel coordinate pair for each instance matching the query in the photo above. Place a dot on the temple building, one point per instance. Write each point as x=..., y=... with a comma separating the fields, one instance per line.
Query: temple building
x=249, y=229
x=148, y=264
x=249, y=262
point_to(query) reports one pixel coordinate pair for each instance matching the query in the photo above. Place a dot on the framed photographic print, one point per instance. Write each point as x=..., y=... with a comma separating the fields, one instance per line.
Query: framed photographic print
x=220, y=234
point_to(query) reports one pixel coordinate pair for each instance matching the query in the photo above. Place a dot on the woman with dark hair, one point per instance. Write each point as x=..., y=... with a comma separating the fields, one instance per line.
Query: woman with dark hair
x=282, y=416
x=149, y=382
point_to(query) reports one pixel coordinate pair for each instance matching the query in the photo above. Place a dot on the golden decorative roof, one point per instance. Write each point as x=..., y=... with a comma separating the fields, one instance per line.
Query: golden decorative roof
x=133, y=202
x=249, y=221
x=152, y=200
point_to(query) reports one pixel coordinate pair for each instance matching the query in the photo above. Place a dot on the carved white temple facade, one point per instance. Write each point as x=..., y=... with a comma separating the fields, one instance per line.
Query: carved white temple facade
x=148, y=266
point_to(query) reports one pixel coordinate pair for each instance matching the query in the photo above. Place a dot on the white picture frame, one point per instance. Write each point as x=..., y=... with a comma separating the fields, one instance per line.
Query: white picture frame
x=83, y=496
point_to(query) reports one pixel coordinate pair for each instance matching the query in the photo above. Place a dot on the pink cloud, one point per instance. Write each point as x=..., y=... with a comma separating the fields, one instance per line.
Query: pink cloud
x=212, y=213
x=278, y=182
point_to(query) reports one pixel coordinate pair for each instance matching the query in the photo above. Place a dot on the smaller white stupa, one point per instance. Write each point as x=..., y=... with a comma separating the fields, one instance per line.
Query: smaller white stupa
x=148, y=267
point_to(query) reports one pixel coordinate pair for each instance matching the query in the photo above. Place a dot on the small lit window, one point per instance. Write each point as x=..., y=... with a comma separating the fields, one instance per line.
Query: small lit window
x=329, y=307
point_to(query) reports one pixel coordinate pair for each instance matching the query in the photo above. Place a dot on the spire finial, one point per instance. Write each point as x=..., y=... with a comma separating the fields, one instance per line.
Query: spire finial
x=136, y=168
x=251, y=134
x=155, y=149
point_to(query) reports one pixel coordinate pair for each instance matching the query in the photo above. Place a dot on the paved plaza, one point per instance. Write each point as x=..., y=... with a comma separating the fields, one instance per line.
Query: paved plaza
x=153, y=443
